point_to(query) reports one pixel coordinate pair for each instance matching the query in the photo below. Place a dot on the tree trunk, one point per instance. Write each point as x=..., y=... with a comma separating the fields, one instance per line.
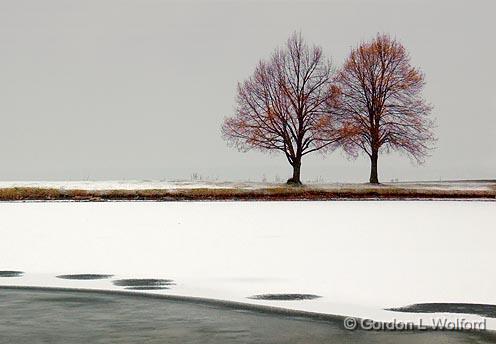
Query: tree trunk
x=295, y=180
x=373, y=168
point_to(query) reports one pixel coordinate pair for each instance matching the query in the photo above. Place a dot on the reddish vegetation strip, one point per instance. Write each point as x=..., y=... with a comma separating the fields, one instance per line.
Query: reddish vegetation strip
x=269, y=194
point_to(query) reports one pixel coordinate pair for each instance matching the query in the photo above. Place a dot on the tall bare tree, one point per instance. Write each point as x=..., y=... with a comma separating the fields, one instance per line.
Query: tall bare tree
x=379, y=102
x=282, y=106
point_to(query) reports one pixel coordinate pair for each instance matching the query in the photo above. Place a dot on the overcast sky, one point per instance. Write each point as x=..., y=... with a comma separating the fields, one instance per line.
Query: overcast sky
x=119, y=89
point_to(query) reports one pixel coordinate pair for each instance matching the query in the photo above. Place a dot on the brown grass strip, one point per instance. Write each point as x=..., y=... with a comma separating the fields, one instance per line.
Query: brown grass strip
x=268, y=194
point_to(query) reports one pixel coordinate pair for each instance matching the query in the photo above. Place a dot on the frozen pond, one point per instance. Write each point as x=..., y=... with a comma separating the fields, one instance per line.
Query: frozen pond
x=359, y=258
x=30, y=316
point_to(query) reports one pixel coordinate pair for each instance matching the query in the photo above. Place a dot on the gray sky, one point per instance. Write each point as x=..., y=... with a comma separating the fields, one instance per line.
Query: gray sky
x=120, y=89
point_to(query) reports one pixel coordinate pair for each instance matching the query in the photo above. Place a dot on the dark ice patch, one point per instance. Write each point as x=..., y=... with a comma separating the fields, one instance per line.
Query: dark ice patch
x=85, y=276
x=8, y=273
x=147, y=288
x=484, y=310
x=284, y=297
x=143, y=282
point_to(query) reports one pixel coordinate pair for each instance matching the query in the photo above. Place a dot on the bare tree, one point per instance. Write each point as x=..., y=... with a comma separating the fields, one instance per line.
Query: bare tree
x=281, y=107
x=379, y=103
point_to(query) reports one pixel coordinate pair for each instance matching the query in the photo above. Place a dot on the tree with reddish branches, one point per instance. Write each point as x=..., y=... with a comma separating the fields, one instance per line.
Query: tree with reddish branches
x=282, y=106
x=379, y=103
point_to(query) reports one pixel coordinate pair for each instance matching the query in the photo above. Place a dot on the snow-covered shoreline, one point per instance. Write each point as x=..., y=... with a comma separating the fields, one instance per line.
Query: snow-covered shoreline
x=185, y=184
x=360, y=257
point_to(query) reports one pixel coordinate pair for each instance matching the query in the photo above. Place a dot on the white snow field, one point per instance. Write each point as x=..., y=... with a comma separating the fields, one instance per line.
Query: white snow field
x=361, y=257
x=185, y=184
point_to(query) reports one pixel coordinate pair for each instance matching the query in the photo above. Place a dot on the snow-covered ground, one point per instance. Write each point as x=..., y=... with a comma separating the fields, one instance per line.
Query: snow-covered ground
x=361, y=257
x=171, y=185
x=126, y=185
